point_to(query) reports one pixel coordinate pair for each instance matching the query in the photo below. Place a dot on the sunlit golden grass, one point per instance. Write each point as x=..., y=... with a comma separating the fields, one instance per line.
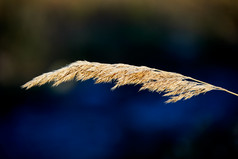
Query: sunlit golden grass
x=176, y=86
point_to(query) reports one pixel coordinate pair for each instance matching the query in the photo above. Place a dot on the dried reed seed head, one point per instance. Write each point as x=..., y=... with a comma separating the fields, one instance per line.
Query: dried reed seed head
x=175, y=85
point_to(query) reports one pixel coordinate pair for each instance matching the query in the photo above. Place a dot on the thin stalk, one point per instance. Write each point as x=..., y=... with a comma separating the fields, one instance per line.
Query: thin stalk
x=217, y=88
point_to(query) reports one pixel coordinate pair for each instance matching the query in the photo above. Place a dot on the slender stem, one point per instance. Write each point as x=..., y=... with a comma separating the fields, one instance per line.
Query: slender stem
x=217, y=88
x=223, y=89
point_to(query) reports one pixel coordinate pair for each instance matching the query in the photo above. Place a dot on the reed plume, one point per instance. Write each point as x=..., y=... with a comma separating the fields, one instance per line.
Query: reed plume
x=176, y=86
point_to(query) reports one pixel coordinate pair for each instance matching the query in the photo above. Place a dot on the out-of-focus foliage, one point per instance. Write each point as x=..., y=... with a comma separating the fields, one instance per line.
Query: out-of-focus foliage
x=39, y=34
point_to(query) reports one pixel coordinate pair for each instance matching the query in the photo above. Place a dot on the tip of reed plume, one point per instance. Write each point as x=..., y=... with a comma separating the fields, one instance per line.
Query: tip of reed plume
x=174, y=85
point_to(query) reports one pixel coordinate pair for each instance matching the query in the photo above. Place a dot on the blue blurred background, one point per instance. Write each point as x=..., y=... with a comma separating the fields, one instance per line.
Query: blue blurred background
x=197, y=38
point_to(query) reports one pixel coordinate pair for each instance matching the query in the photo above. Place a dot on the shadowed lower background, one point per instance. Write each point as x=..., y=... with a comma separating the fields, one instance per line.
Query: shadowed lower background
x=196, y=38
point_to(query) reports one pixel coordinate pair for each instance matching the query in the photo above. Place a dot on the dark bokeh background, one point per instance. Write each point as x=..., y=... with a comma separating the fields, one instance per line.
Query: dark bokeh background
x=197, y=38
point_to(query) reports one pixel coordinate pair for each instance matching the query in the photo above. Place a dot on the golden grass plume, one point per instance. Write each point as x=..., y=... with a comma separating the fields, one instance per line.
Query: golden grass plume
x=176, y=86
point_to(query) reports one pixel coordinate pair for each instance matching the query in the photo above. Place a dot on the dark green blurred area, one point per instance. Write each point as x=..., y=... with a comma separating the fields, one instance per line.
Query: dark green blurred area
x=40, y=35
